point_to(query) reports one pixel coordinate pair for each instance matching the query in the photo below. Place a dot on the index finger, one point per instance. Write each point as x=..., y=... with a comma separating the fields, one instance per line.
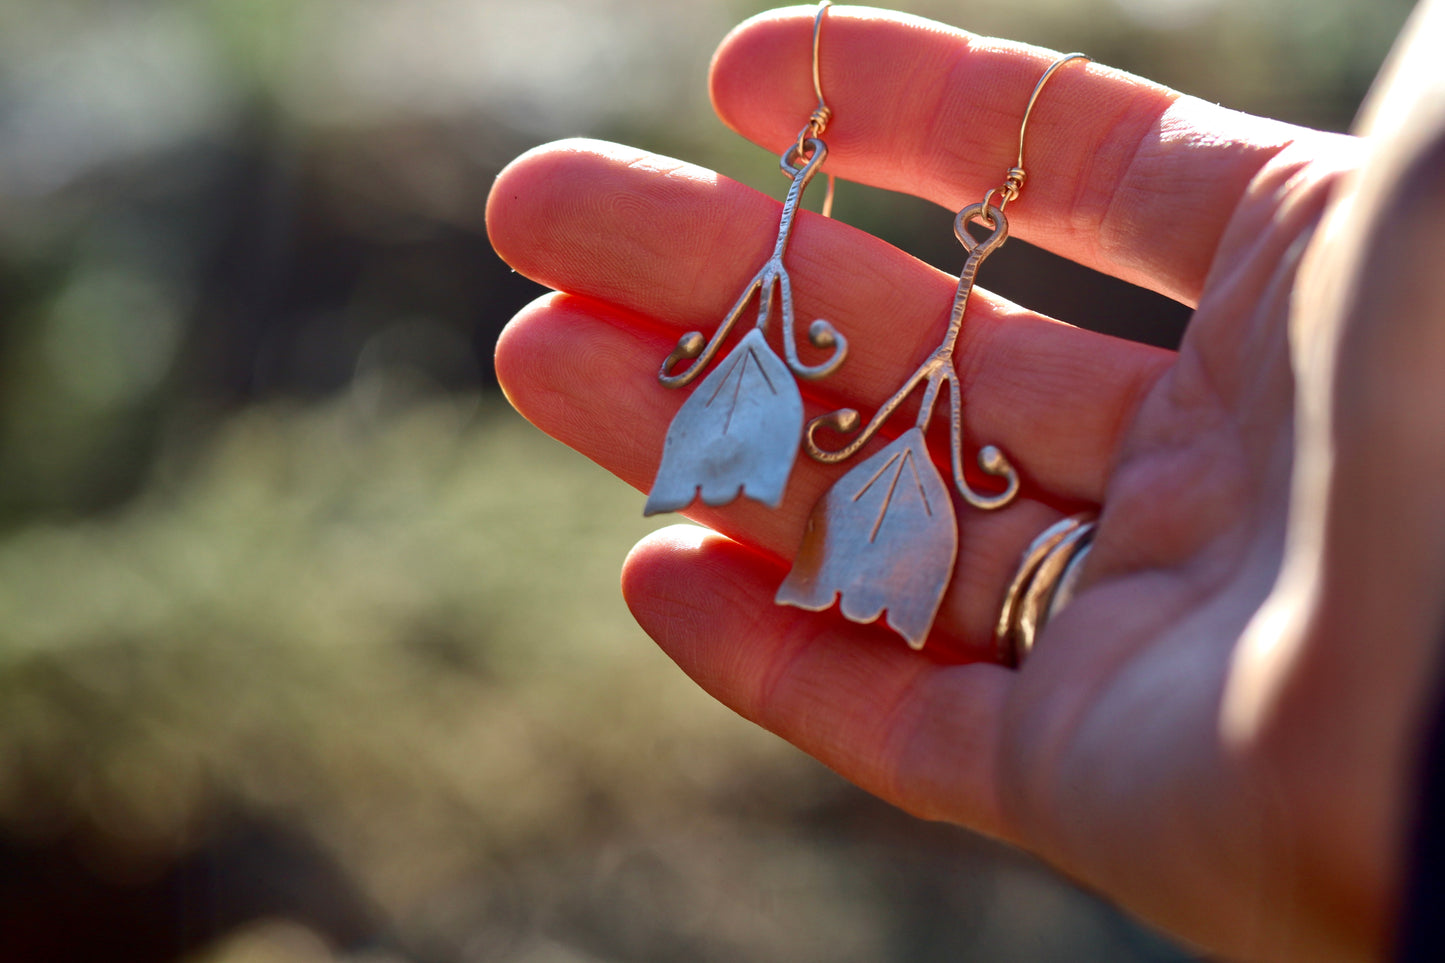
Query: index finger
x=1124, y=175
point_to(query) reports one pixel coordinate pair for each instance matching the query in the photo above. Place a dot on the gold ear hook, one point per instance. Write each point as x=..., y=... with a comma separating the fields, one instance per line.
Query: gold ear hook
x=818, y=122
x=1014, y=180
x=822, y=114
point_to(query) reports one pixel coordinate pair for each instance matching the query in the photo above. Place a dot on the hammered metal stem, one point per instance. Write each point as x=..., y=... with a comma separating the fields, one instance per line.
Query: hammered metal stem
x=937, y=370
x=771, y=281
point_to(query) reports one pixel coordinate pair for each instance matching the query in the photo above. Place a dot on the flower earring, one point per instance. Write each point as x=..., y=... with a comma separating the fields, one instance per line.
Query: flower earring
x=885, y=537
x=737, y=434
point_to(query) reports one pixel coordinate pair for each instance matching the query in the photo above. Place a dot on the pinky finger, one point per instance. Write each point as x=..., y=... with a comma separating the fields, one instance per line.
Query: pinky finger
x=919, y=734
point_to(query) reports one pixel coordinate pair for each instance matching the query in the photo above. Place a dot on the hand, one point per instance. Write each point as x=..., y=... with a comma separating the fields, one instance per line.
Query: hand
x=1218, y=731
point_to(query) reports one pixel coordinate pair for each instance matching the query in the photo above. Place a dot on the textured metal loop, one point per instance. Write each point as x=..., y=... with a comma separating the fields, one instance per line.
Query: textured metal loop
x=815, y=151
x=991, y=217
x=803, y=158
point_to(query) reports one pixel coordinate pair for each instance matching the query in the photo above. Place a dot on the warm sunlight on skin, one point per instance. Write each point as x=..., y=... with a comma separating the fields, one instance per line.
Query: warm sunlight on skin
x=1221, y=730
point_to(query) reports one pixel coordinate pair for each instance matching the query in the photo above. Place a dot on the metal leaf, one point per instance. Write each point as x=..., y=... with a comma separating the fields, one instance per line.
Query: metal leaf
x=884, y=538
x=737, y=433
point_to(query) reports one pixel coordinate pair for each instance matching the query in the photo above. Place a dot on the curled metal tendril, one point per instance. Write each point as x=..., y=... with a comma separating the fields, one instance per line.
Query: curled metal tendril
x=772, y=281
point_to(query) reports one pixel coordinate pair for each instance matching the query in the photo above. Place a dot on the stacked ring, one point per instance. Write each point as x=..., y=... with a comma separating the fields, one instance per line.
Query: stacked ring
x=1043, y=584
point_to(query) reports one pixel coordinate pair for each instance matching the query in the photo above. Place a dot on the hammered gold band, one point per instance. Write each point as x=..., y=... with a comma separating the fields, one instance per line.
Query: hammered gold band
x=1044, y=582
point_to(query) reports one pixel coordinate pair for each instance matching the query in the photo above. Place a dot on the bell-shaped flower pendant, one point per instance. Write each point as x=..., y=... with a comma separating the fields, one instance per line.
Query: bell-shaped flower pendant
x=884, y=537
x=737, y=433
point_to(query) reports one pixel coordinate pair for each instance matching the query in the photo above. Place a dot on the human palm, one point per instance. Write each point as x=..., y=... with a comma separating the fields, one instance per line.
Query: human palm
x=1149, y=745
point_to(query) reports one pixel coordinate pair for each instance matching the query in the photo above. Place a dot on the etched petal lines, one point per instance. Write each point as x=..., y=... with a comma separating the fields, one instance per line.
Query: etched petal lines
x=736, y=434
x=884, y=539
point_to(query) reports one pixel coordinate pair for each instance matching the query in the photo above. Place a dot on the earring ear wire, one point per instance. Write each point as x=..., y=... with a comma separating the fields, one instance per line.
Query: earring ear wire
x=1014, y=179
x=822, y=114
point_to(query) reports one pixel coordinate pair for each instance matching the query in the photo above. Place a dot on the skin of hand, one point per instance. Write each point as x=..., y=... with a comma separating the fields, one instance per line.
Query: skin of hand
x=1221, y=731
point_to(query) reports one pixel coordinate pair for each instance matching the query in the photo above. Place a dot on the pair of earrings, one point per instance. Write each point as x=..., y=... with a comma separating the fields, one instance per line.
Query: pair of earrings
x=885, y=536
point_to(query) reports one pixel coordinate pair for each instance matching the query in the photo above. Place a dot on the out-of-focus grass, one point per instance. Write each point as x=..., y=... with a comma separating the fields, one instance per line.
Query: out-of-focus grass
x=402, y=632
x=328, y=608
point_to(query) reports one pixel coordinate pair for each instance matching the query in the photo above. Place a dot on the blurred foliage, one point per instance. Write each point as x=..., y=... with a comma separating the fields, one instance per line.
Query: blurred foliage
x=268, y=543
x=207, y=202
x=402, y=633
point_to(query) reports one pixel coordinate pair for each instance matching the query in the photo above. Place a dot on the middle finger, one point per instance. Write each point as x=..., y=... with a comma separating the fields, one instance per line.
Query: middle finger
x=670, y=246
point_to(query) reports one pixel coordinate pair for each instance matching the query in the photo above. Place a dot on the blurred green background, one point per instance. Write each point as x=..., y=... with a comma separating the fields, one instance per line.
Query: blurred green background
x=309, y=648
